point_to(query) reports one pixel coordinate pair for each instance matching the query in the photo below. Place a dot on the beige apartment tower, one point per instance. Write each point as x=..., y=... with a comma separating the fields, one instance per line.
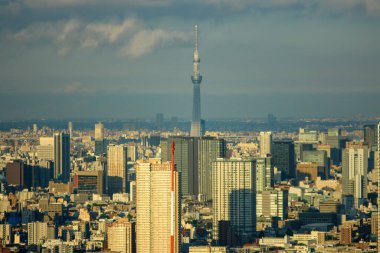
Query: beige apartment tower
x=117, y=160
x=153, y=208
x=121, y=236
x=265, y=143
x=233, y=191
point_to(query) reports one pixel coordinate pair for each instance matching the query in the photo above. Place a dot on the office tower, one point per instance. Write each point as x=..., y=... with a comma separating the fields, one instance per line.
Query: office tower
x=45, y=151
x=265, y=143
x=264, y=173
x=160, y=121
x=100, y=146
x=272, y=203
x=283, y=157
x=6, y=234
x=370, y=135
x=70, y=128
x=196, y=78
x=35, y=128
x=89, y=182
x=153, y=207
x=354, y=170
x=121, y=236
x=117, y=159
x=62, y=164
x=337, y=143
x=37, y=233
x=272, y=121
x=307, y=136
x=345, y=234
x=209, y=149
x=316, y=156
x=233, y=195
x=300, y=147
x=311, y=171
x=14, y=173
x=186, y=161
x=132, y=152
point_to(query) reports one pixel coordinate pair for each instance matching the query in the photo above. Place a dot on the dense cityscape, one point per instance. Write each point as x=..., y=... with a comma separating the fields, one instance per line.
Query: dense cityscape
x=298, y=172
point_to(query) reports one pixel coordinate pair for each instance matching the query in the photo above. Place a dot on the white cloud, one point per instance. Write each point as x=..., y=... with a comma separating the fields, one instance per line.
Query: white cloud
x=146, y=41
x=67, y=36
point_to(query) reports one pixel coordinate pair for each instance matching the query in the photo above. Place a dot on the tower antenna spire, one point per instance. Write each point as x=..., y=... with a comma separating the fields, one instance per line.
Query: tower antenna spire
x=196, y=36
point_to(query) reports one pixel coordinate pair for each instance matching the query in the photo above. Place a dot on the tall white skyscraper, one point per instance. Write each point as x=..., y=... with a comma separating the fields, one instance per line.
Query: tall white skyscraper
x=117, y=160
x=355, y=168
x=265, y=143
x=196, y=78
x=37, y=233
x=153, y=207
x=233, y=192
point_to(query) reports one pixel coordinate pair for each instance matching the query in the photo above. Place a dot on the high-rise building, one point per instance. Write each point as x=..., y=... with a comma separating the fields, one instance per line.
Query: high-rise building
x=121, y=236
x=132, y=152
x=272, y=203
x=154, y=207
x=233, y=192
x=6, y=234
x=160, y=121
x=354, y=170
x=100, y=145
x=284, y=158
x=370, y=135
x=196, y=78
x=37, y=233
x=209, y=149
x=337, y=142
x=311, y=171
x=265, y=143
x=264, y=173
x=117, y=172
x=35, y=128
x=90, y=182
x=45, y=151
x=99, y=131
x=70, y=128
x=62, y=166
x=186, y=161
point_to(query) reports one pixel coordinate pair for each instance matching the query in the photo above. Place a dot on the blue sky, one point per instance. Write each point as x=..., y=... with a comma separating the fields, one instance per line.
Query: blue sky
x=132, y=59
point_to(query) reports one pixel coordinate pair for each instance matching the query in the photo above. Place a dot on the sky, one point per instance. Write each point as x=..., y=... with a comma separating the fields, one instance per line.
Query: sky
x=121, y=59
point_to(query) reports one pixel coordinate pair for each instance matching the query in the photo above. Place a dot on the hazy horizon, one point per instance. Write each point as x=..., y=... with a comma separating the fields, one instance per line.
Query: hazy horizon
x=133, y=59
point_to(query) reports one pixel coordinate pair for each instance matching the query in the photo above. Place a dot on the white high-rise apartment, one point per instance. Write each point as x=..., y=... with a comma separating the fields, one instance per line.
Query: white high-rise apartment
x=99, y=131
x=117, y=168
x=120, y=236
x=153, y=207
x=265, y=143
x=355, y=167
x=233, y=192
x=272, y=203
x=37, y=233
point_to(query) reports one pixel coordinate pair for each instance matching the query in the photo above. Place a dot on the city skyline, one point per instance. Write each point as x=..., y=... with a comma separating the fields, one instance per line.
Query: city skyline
x=118, y=55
